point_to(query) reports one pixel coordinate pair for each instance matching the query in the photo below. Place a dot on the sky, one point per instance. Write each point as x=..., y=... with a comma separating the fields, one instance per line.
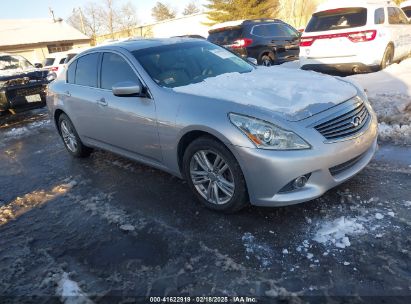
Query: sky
x=29, y=9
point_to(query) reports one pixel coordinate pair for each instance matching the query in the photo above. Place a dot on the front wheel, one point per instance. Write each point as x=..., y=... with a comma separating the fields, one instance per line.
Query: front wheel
x=71, y=139
x=388, y=57
x=215, y=176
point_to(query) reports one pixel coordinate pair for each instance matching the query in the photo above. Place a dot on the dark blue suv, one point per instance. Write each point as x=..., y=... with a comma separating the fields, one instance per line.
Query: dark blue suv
x=270, y=41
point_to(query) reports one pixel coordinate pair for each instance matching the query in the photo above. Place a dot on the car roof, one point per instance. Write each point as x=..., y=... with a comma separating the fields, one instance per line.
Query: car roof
x=334, y=4
x=406, y=3
x=139, y=44
x=236, y=23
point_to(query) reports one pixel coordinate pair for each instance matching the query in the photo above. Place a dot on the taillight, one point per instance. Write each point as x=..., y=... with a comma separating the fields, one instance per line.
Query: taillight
x=362, y=36
x=54, y=69
x=241, y=43
x=307, y=41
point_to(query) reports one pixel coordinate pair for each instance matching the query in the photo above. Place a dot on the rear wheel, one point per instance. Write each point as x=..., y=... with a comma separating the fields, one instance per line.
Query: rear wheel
x=71, y=139
x=388, y=57
x=266, y=61
x=215, y=176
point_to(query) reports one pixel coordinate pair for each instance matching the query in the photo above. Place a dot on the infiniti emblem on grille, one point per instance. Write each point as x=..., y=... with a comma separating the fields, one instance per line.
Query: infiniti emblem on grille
x=356, y=121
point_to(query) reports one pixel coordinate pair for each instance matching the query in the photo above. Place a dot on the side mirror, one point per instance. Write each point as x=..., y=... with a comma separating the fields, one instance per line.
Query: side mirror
x=252, y=60
x=51, y=76
x=127, y=88
x=38, y=65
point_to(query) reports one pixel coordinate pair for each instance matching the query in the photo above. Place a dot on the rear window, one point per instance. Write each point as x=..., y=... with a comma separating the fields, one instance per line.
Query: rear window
x=226, y=36
x=48, y=62
x=407, y=11
x=342, y=18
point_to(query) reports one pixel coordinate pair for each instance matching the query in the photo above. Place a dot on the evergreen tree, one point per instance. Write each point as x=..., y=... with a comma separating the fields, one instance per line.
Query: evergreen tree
x=228, y=10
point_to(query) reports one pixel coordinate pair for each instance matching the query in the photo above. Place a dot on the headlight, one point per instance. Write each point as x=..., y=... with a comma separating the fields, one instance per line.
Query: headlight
x=266, y=135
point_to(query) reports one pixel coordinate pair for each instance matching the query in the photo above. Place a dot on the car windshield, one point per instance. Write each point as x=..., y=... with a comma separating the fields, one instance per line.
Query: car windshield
x=337, y=19
x=181, y=64
x=14, y=62
x=407, y=11
x=49, y=62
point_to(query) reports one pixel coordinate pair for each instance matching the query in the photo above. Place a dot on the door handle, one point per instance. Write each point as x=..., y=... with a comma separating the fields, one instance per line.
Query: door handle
x=67, y=93
x=102, y=102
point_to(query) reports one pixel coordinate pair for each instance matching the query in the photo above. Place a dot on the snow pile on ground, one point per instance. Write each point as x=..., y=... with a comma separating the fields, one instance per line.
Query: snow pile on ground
x=25, y=130
x=389, y=92
x=279, y=89
x=70, y=292
x=337, y=232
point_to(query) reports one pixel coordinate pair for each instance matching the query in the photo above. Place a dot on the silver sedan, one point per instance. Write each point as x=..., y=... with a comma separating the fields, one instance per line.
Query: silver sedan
x=237, y=133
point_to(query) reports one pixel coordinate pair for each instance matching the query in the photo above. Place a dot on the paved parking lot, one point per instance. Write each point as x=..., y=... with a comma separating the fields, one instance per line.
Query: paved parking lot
x=115, y=228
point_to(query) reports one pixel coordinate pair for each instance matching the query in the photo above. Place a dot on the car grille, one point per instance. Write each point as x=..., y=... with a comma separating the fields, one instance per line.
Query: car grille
x=345, y=166
x=29, y=91
x=346, y=123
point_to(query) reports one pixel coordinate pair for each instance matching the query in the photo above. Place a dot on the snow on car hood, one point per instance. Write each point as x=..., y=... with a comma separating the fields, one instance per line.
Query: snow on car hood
x=294, y=93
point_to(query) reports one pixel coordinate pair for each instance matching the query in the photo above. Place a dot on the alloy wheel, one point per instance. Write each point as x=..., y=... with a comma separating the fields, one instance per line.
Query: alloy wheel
x=68, y=136
x=212, y=177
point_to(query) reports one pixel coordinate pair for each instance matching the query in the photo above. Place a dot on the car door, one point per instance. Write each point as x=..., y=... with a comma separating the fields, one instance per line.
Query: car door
x=80, y=95
x=281, y=42
x=396, y=29
x=405, y=31
x=128, y=123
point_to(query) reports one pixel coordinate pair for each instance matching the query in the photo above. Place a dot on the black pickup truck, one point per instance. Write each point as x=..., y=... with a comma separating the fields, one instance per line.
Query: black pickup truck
x=22, y=86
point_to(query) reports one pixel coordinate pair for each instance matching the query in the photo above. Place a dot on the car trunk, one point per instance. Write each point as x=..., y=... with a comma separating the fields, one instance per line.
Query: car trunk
x=225, y=36
x=328, y=32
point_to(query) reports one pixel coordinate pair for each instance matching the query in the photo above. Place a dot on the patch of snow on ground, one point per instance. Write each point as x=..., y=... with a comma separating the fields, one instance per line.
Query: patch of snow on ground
x=389, y=92
x=22, y=131
x=337, y=232
x=262, y=252
x=69, y=291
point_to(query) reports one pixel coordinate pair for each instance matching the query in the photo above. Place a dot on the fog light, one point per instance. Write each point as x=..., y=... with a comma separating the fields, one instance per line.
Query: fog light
x=300, y=182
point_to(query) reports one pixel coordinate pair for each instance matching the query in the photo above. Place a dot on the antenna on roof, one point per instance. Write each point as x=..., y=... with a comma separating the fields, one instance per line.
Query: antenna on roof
x=52, y=14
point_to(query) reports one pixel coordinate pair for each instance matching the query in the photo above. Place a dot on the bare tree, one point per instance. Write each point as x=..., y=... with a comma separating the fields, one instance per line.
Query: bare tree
x=95, y=19
x=191, y=8
x=128, y=17
x=162, y=11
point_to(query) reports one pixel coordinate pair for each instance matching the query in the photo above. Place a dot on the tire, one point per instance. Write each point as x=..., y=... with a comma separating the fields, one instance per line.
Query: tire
x=221, y=175
x=71, y=139
x=266, y=61
x=388, y=57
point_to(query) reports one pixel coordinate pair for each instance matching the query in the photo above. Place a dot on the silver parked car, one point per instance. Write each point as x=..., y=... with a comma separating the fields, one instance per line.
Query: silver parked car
x=235, y=132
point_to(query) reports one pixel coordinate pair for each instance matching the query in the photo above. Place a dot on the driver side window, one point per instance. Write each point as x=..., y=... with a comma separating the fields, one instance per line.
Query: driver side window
x=115, y=69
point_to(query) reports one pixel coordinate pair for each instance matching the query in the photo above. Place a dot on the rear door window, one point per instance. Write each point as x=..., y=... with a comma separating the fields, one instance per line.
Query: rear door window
x=273, y=30
x=407, y=11
x=225, y=37
x=86, y=71
x=336, y=19
x=48, y=62
x=379, y=16
x=396, y=16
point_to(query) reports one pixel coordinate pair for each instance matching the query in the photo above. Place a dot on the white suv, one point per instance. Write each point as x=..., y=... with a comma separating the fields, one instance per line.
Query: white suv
x=406, y=7
x=355, y=36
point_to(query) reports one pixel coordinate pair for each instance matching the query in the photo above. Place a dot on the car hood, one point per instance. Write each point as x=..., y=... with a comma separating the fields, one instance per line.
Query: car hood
x=295, y=94
x=33, y=74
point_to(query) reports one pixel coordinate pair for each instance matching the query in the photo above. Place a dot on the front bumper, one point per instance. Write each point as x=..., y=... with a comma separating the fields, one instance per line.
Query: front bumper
x=15, y=97
x=268, y=172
